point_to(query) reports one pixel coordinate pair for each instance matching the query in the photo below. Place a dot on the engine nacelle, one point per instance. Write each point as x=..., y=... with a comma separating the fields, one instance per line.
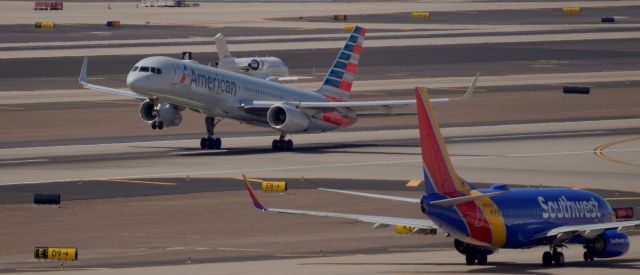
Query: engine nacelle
x=167, y=113
x=255, y=64
x=287, y=119
x=609, y=244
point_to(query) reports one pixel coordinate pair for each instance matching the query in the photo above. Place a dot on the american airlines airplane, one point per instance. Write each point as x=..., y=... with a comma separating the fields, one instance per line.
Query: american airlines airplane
x=168, y=86
x=269, y=68
x=485, y=220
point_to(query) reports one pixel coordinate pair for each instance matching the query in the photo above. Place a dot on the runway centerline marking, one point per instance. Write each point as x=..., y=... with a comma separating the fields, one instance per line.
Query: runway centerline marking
x=599, y=152
x=23, y=161
x=144, y=182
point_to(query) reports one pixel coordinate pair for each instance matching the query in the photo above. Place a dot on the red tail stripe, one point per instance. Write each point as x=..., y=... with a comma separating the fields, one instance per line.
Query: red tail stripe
x=345, y=85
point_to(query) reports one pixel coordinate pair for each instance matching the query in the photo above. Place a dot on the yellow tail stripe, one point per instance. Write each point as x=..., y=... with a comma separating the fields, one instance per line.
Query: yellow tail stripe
x=495, y=219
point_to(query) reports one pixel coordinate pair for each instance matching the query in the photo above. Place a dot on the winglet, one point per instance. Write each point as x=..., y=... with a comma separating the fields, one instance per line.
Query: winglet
x=471, y=88
x=83, y=72
x=255, y=200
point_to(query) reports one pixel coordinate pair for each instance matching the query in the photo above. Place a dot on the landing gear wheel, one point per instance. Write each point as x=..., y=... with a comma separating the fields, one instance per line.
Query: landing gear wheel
x=588, y=257
x=558, y=259
x=210, y=142
x=482, y=259
x=160, y=125
x=154, y=125
x=289, y=145
x=547, y=259
x=470, y=259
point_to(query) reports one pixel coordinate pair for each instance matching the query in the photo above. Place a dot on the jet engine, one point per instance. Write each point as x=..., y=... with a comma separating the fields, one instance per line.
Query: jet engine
x=166, y=113
x=287, y=119
x=609, y=244
x=255, y=64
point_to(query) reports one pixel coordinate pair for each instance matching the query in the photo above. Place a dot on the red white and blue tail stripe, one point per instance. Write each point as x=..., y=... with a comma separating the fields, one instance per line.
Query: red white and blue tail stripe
x=338, y=81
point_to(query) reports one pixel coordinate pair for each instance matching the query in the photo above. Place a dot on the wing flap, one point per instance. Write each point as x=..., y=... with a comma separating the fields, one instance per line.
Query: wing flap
x=588, y=230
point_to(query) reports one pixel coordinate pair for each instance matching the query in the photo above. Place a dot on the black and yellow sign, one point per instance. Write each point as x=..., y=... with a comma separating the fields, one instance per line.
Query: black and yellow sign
x=56, y=253
x=274, y=186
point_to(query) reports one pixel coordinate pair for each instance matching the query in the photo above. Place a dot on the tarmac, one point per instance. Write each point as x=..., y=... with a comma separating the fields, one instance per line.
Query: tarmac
x=143, y=201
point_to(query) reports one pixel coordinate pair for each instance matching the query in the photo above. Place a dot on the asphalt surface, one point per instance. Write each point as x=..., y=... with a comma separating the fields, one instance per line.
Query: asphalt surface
x=376, y=63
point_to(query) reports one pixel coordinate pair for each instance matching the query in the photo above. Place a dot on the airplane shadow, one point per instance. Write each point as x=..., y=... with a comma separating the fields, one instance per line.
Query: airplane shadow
x=304, y=149
x=506, y=267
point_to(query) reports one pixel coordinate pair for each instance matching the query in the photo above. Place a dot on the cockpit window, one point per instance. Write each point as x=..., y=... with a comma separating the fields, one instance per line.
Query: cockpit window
x=135, y=69
x=153, y=70
x=144, y=69
x=158, y=71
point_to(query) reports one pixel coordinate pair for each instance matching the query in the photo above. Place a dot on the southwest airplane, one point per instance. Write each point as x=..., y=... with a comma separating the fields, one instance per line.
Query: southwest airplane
x=269, y=68
x=485, y=220
x=167, y=86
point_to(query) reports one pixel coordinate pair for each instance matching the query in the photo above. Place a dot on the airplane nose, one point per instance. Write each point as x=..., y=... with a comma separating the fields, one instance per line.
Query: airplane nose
x=133, y=81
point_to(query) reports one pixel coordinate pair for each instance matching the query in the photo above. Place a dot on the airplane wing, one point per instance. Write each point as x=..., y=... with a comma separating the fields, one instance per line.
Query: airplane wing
x=443, y=202
x=83, y=82
x=377, y=220
x=287, y=78
x=361, y=108
x=376, y=196
x=564, y=233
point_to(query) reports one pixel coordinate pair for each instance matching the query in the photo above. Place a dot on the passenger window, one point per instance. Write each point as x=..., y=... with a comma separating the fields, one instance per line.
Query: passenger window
x=144, y=69
x=153, y=70
x=158, y=71
x=135, y=69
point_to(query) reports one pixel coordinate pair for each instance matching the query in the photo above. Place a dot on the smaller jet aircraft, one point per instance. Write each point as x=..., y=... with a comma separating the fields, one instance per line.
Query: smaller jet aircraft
x=485, y=220
x=269, y=67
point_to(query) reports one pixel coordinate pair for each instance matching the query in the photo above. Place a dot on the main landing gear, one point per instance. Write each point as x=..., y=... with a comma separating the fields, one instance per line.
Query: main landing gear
x=473, y=256
x=282, y=144
x=210, y=142
x=472, y=253
x=553, y=257
x=157, y=125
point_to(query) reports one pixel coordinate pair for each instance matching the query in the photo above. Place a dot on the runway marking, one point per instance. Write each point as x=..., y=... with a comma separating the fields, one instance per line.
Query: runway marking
x=530, y=135
x=10, y=108
x=242, y=249
x=623, y=199
x=413, y=183
x=143, y=182
x=599, y=152
x=114, y=102
x=253, y=180
x=23, y=161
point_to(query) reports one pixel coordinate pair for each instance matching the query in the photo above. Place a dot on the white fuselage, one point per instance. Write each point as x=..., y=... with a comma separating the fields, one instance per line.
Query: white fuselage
x=215, y=92
x=261, y=67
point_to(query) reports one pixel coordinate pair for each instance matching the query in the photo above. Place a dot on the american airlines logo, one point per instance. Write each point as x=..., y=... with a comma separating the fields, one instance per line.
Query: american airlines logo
x=563, y=208
x=210, y=82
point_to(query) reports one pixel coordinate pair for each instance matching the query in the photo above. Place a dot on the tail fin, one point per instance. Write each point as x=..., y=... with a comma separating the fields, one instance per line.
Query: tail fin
x=221, y=46
x=337, y=83
x=439, y=175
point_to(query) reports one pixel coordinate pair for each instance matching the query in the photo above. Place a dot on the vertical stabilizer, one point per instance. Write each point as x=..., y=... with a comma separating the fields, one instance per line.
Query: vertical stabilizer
x=337, y=83
x=439, y=175
x=221, y=46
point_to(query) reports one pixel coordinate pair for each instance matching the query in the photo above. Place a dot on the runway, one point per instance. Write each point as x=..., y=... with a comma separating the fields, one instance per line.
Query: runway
x=143, y=201
x=528, y=155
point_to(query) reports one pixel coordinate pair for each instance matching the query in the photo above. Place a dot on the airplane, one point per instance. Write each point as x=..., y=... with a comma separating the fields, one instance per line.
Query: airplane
x=484, y=220
x=269, y=67
x=168, y=86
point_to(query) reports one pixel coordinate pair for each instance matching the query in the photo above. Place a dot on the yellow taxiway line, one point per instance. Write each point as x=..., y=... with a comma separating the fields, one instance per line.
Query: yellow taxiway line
x=599, y=152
